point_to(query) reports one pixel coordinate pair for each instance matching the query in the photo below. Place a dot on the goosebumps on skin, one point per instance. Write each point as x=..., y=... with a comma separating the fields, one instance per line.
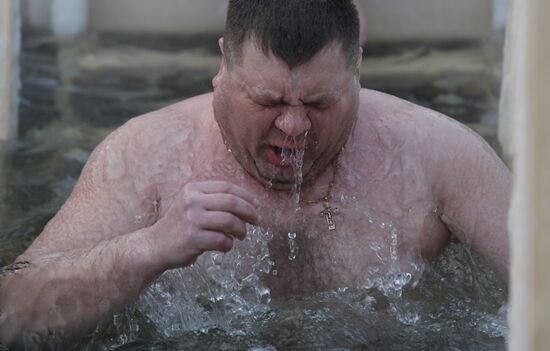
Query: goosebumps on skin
x=381, y=160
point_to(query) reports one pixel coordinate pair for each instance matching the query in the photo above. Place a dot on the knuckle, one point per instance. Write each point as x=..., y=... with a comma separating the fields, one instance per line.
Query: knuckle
x=226, y=220
x=242, y=228
x=233, y=202
x=225, y=243
x=190, y=198
x=250, y=210
x=222, y=243
x=226, y=187
x=188, y=188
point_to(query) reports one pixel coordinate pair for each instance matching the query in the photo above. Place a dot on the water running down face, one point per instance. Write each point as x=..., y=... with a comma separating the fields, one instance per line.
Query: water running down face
x=269, y=114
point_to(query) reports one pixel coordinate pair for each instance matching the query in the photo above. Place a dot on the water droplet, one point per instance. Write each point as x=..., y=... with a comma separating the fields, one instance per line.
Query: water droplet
x=217, y=259
x=292, y=247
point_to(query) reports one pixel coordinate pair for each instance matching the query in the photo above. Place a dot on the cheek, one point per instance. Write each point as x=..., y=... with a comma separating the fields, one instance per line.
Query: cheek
x=327, y=122
x=260, y=119
x=332, y=125
x=251, y=124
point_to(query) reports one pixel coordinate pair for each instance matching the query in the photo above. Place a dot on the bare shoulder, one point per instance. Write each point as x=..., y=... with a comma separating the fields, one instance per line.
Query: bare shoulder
x=163, y=127
x=147, y=146
x=151, y=141
x=399, y=119
x=417, y=131
x=447, y=151
x=117, y=191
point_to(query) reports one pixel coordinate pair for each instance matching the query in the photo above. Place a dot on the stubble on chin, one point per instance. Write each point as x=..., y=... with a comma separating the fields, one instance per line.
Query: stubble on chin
x=273, y=178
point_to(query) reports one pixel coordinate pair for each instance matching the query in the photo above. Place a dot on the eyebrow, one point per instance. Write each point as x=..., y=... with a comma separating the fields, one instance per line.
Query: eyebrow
x=260, y=92
x=271, y=96
x=321, y=97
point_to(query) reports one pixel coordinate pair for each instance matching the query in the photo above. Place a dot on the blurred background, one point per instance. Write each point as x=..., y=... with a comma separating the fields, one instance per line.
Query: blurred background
x=394, y=20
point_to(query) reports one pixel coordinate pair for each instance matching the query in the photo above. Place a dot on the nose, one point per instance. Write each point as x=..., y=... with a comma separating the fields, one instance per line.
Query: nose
x=293, y=121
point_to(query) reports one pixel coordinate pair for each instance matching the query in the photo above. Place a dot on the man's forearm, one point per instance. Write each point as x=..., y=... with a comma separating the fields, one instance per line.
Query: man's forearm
x=68, y=293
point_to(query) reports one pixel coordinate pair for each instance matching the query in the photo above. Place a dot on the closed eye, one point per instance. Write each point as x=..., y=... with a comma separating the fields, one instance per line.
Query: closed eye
x=267, y=103
x=321, y=105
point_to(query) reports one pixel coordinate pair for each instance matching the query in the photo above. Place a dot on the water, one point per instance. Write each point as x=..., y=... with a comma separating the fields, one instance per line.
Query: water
x=222, y=301
x=295, y=158
x=226, y=306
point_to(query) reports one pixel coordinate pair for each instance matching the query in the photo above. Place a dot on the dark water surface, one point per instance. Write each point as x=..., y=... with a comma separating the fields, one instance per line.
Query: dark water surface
x=73, y=95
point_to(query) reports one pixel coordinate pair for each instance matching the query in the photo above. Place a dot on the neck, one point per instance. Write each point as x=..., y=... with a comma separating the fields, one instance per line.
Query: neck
x=321, y=189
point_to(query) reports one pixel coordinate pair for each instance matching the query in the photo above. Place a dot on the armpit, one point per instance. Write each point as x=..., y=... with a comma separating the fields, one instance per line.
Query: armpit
x=14, y=267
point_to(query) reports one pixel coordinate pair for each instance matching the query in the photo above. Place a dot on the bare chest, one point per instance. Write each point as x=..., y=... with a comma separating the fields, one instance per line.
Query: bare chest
x=348, y=242
x=380, y=219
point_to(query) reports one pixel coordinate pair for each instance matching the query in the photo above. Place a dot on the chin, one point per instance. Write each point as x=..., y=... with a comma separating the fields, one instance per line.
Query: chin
x=280, y=178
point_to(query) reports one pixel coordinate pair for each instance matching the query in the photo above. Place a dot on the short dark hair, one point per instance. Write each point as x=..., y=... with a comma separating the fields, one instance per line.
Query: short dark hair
x=293, y=30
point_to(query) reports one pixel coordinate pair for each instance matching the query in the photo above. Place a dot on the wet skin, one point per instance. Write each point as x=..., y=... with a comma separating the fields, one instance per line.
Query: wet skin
x=164, y=188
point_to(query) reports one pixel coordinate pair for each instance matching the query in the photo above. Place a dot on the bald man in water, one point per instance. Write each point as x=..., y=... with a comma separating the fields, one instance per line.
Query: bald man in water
x=383, y=183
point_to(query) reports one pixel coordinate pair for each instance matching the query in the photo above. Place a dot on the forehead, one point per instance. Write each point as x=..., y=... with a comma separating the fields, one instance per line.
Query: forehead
x=326, y=71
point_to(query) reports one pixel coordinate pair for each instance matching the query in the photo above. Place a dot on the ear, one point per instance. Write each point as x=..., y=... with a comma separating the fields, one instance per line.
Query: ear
x=359, y=57
x=223, y=66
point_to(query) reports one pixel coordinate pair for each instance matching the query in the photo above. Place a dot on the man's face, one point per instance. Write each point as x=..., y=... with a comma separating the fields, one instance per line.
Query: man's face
x=267, y=111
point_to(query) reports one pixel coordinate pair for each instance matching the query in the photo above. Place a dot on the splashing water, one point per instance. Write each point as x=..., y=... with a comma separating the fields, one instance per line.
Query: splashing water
x=295, y=158
x=219, y=290
x=292, y=247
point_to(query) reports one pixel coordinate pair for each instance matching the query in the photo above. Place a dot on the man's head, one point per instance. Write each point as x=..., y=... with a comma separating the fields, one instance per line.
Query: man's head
x=288, y=79
x=293, y=30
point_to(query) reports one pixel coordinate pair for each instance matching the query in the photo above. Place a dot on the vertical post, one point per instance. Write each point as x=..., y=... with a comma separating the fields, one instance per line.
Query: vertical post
x=499, y=14
x=527, y=101
x=10, y=39
x=69, y=17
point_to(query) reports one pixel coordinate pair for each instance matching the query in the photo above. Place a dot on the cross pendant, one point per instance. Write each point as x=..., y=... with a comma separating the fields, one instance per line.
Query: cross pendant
x=328, y=213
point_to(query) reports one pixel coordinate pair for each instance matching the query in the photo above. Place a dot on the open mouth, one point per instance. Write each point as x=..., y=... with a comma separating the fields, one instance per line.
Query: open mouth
x=283, y=157
x=275, y=156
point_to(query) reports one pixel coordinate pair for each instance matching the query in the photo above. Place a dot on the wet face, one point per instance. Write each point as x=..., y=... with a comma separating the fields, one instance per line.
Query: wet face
x=269, y=114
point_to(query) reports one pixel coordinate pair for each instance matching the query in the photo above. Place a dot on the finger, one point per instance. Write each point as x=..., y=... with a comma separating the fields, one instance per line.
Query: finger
x=215, y=186
x=207, y=240
x=223, y=222
x=231, y=203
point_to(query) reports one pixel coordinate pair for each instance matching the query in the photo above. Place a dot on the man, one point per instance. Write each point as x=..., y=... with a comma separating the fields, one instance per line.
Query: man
x=360, y=181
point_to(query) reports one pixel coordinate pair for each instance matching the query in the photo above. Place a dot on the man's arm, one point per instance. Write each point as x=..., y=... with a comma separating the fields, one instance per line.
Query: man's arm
x=94, y=257
x=473, y=189
x=65, y=294
x=91, y=257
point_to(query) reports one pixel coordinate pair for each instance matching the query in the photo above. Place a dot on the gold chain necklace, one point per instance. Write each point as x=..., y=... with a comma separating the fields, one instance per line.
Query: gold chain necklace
x=328, y=212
